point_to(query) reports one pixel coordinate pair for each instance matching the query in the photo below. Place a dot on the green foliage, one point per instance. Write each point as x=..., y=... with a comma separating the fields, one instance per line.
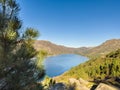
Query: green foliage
x=48, y=83
x=39, y=62
x=31, y=33
x=99, y=68
x=115, y=54
x=17, y=54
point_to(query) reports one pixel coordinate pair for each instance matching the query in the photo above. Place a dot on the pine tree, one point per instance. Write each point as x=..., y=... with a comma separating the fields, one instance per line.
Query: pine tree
x=17, y=54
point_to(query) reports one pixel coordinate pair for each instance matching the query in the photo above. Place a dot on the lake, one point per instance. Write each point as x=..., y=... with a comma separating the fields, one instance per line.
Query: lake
x=56, y=65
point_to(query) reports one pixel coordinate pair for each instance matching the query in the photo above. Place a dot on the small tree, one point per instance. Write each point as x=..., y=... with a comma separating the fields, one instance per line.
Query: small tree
x=16, y=49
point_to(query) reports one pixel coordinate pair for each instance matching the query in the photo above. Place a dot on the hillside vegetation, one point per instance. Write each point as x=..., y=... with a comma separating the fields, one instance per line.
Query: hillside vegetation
x=94, y=69
x=19, y=60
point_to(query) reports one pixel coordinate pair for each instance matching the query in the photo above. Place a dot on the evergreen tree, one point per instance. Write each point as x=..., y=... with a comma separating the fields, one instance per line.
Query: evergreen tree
x=17, y=54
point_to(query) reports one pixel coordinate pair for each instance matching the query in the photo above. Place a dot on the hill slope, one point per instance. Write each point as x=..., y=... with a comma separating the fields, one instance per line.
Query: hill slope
x=100, y=70
x=57, y=49
x=103, y=49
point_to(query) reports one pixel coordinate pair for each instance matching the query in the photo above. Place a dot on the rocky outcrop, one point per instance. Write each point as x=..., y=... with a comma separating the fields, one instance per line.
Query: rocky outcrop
x=74, y=84
x=59, y=86
x=103, y=86
x=84, y=82
x=79, y=84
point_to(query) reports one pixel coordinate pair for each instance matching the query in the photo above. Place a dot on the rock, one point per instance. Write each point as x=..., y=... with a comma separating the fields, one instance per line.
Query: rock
x=74, y=81
x=103, y=86
x=84, y=82
x=79, y=84
x=58, y=86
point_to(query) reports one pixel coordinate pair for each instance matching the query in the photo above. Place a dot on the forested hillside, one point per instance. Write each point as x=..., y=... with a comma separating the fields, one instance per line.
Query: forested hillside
x=99, y=68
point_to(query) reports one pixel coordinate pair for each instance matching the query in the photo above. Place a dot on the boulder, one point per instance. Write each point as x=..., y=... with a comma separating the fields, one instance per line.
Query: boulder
x=103, y=86
x=74, y=81
x=58, y=86
x=84, y=82
x=79, y=84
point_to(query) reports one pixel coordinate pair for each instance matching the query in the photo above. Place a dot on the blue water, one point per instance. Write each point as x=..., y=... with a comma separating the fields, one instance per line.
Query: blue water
x=56, y=65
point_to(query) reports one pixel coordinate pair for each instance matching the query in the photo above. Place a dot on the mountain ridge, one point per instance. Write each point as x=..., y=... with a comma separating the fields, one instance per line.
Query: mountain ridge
x=54, y=49
x=102, y=49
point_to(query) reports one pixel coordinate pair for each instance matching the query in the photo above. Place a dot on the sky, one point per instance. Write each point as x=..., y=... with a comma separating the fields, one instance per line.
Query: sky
x=73, y=23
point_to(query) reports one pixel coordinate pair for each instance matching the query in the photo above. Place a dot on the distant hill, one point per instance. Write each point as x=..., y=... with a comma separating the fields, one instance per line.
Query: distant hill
x=52, y=48
x=100, y=69
x=57, y=49
x=103, y=49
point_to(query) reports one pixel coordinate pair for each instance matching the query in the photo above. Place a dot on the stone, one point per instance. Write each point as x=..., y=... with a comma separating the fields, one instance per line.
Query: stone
x=84, y=82
x=79, y=84
x=103, y=86
x=58, y=86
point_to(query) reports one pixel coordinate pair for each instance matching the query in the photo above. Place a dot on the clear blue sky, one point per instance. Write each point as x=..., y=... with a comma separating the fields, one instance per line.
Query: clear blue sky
x=73, y=23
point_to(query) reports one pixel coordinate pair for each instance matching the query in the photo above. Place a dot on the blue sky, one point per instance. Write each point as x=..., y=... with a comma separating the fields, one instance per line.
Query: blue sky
x=73, y=23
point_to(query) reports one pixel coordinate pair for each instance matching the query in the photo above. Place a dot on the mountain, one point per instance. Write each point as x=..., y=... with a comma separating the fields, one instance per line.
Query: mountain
x=96, y=70
x=52, y=48
x=103, y=49
x=57, y=49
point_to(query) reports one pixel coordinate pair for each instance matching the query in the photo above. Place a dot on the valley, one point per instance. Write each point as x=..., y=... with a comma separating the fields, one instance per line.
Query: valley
x=100, y=50
x=101, y=69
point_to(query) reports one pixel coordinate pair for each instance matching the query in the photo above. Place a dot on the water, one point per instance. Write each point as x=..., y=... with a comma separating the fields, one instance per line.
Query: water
x=56, y=65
